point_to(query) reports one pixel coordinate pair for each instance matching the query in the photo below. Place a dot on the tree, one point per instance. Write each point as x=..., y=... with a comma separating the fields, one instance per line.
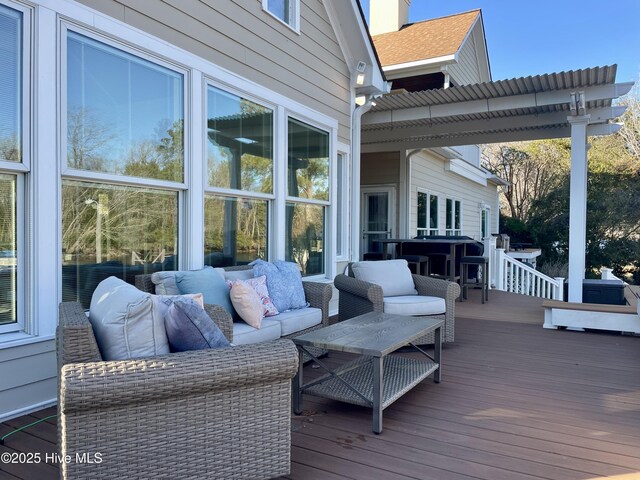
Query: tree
x=533, y=169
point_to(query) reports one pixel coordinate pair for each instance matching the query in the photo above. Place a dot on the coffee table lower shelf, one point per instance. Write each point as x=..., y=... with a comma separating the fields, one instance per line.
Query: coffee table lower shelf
x=400, y=374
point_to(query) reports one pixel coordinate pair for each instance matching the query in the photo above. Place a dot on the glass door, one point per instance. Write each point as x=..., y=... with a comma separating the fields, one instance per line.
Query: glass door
x=378, y=217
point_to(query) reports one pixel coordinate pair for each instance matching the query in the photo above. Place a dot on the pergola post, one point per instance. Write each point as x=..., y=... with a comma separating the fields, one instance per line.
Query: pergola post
x=578, y=206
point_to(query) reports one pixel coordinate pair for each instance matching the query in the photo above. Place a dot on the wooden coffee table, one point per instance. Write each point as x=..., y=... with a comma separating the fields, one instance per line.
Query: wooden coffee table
x=376, y=379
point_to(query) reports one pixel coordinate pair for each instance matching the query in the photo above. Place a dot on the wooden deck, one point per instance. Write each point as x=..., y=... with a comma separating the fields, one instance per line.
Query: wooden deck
x=516, y=402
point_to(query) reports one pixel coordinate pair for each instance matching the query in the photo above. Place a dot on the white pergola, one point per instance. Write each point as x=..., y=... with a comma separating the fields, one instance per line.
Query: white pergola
x=574, y=104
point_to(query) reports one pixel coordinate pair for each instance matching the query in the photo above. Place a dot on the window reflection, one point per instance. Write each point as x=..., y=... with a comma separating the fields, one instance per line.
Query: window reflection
x=125, y=115
x=305, y=237
x=114, y=230
x=240, y=143
x=308, y=162
x=236, y=230
x=10, y=84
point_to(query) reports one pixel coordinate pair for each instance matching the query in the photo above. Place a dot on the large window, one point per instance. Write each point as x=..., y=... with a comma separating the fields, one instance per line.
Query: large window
x=125, y=114
x=453, y=217
x=125, y=118
x=240, y=179
x=288, y=11
x=308, y=196
x=14, y=163
x=427, y=214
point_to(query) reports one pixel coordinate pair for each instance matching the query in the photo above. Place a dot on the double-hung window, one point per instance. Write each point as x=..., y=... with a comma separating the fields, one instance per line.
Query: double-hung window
x=453, y=217
x=239, y=188
x=307, y=196
x=124, y=174
x=15, y=162
x=287, y=11
x=427, y=221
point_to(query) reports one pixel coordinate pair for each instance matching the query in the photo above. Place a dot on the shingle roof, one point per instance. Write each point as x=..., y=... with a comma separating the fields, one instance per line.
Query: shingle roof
x=423, y=40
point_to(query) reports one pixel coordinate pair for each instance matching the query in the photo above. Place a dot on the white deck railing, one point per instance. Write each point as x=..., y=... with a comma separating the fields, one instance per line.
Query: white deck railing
x=514, y=276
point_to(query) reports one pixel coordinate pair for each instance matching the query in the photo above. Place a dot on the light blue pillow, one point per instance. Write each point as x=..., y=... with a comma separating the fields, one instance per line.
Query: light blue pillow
x=284, y=283
x=208, y=282
x=190, y=328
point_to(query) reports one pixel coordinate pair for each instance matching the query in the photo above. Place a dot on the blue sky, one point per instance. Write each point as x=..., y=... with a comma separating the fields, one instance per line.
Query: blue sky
x=545, y=36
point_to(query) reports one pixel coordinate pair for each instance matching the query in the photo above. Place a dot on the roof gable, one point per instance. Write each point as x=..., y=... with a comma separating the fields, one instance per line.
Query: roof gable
x=425, y=40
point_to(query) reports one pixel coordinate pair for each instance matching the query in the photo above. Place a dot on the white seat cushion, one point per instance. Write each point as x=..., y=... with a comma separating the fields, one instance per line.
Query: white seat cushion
x=393, y=276
x=413, y=305
x=244, y=334
x=293, y=321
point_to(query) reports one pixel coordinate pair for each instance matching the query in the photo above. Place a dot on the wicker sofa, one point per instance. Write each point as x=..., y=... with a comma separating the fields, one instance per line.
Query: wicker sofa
x=317, y=295
x=358, y=297
x=218, y=413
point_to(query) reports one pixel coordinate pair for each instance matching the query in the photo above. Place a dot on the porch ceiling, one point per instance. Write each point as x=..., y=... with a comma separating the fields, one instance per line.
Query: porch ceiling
x=527, y=108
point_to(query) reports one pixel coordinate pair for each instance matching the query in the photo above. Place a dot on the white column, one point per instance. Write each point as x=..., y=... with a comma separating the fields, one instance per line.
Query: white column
x=577, y=205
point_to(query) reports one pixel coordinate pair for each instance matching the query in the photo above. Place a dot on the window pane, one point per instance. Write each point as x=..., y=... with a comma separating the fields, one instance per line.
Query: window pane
x=458, y=217
x=422, y=210
x=114, y=230
x=240, y=143
x=8, y=250
x=281, y=9
x=10, y=84
x=433, y=211
x=449, y=217
x=125, y=115
x=235, y=230
x=308, y=162
x=305, y=237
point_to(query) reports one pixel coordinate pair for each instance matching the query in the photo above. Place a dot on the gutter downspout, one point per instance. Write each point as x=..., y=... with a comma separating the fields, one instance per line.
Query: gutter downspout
x=355, y=176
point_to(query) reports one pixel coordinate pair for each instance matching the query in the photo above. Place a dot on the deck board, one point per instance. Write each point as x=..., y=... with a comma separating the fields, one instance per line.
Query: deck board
x=516, y=401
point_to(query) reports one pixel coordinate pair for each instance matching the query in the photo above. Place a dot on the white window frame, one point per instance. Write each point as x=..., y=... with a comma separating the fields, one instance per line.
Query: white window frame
x=454, y=230
x=427, y=230
x=239, y=194
x=23, y=325
x=329, y=233
x=102, y=178
x=294, y=14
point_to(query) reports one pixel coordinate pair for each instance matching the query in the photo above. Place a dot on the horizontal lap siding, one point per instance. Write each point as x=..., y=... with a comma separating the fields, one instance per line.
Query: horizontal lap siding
x=428, y=173
x=466, y=72
x=239, y=36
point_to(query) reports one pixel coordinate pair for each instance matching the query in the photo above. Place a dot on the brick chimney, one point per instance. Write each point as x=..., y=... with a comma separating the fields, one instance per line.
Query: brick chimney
x=388, y=15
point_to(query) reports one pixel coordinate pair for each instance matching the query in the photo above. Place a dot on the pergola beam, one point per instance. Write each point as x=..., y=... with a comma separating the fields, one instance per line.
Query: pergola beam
x=487, y=137
x=494, y=105
x=598, y=115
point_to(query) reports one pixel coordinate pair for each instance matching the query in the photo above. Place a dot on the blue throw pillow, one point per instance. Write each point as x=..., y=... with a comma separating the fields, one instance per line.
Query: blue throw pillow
x=284, y=283
x=190, y=328
x=208, y=282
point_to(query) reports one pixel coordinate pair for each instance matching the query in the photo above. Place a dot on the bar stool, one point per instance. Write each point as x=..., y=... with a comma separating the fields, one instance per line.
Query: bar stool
x=419, y=262
x=483, y=268
x=441, y=259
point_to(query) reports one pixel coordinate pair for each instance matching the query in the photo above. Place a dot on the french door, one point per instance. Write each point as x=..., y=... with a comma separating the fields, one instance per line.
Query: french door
x=378, y=216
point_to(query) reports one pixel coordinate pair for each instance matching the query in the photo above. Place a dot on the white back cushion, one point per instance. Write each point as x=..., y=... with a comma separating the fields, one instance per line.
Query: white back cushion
x=126, y=322
x=393, y=276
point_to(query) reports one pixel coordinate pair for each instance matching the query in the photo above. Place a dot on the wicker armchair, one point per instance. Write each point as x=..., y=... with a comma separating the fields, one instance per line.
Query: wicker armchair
x=358, y=297
x=222, y=413
x=317, y=294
